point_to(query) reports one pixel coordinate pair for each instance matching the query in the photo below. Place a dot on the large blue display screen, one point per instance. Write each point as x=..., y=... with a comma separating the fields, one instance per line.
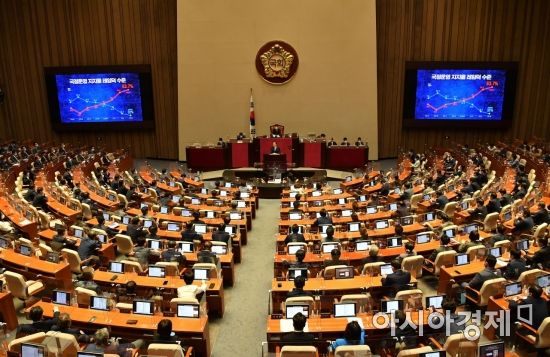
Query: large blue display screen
x=99, y=97
x=460, y=94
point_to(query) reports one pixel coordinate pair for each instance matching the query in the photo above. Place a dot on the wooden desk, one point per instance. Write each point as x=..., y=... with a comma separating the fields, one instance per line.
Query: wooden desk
x=462, y=273
x=194, y=332
x=61, y=210
x=100, y=200
x=54, y=274
x=206, y=158
x=7, y=310
x=347, y=157
x=30, y=228
x=107, y=249
x=214, y=292
x=146, y=176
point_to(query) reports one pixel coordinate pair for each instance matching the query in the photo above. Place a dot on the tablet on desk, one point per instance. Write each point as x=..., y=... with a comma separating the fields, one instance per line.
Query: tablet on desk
x=61, y=297
x=394, y=242
x=328, y=247
x=188, y=310
x=422, y=238
x=116, y=267
x=372, y=209
x=294, y=272
x=462, y=259
x=200, y=274
x=389, y=306
x=512, y=289
x=386, y=269
x=543, y=281
x=354, y=227
x=156, y=271
x=32, y=350
x=434, y=301
x=429, y=216
x=185, y=247
x=143, y=307
x=348, y=309
x=362, y=245
x=293, y=309
x=200, y=228
x=99, y=303
x=344, y=273
x=381, y=224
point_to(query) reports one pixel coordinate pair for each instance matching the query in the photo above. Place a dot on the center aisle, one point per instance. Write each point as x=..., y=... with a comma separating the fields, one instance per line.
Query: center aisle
x=242, y=328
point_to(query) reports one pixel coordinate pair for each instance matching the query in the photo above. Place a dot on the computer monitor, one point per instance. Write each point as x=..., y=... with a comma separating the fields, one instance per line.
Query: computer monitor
x=381, y=224
x=204, y=191
x=427, y=197
x=293, y=248
x=219, y=249
x=164, y=209
x=512, y=289
x=185, y=247
x=106, y=216
x=507, y=216
x=348, y=178
x=388, y=306
x=53, y=257
x=116, y=267
x=316, y=193
x=493, y=349
x=210, y=214
x=344, y=273
x=99, y=303
x=465, y=205
x=228, y=185
x=394, y=242
x=348, y=309
x=200, y=274
x=126, y=220
x=294, y=272
x=293, y=309
x=346, y=213
x=188, y=311
x=496, y=252
x=176, y=198
x=386, y=269
x=78, y=232
x=543, y=281
x=467, y=229
x=231, y=229
x=372, y=209
x=156, y=271
x=407, y=221
x=433, y=354
x=5, y=243
x=237, y=215
x=111, y=197
x=241, y=204
x=196, y=201
x=186, y=213
x=143, y=307
x=154, y=244
x=147, y=223
x=423, y=237
x=61, y=297
x=449, y=232
x=362, y=198
x=223, y=193
x=25, y=250
x=523, y=244
x=392, y=207
x=362, y=245
x=200, y=228
x=102, y=238
x=337, y=191
x=429, y=216
x=143, y=205
x=354, y=226
x=342, y=201
x=434, y=301
x=172, y=227
x=245, y=194
x=32, y=350
x=328, y=247
x=462, y=259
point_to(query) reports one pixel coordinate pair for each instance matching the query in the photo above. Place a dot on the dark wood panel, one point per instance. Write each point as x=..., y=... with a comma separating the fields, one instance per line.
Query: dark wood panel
x=38, y=34
x=462, y=30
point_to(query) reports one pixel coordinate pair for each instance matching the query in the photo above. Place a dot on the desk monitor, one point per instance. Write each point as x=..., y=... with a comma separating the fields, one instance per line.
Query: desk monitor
x=394, y=242
x=241, y=204
x=523, y=244
x=143, y=307
x=301, y=229
x=496, y=252
x=219, y=249
x=348, y=178
x=362, y=245
x=154, y=244
x=156, y=271
x=440, y=353
x=185, y=247
x=204, y=191
x=362, y=198
x=449, y=232
x=176, y=198
x=346, y=213
x=392, y=207
x=381, y=224
x=512, y=289
x=292, y=194
x=62, y=200
x=147, y=223
x=245, y=194
x=397, y=190
x=196, y=201
x=188, y=311
x=507, y=216
x=342, y=201
x=200, y=274
x=186, y=213
x=348, y=309
x=291, y=216
x=316, y=193
x=467, y=229
x=386, y=269
x=318, y=203
x=493, y=349
x=337, y=191
x=237, y=215
x=61, y=297
x=32, y=350
x=464, y=205
x=228, y=185
x=354, y=226
x=427, y=197
x=462, y=259
x=328, y=247
x=78, y=232
x=143, y=205
x=543, y=281
x=164, y=209
x=25, y=250
x=344, y=273
x=372, y=209
x=372, y=183
x=293, y=248
x=294, y=272
x=293, y=309
x=407, y=221
x=199, y=228
x=231, y=229
x=389, y=306
x=210, y=214
x=89, y=354
x=172, y=227
x=116, y=267
x=172, y=184
x=102, y=238
x=434, y=301
x=422, y=238
x=106, y=216
x=126, y=220
x=429, y=216
x=53, y=257
x=99, y=303
x=5, y=243
x=111, y=197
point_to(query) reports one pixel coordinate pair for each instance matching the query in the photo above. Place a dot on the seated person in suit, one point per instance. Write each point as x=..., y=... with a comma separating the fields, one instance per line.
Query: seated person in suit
x=296, y=207
x=398, y=279
x=299, y=263
x=409, y=251
x=86, y=281
x=61, y=241
x=298, y=290
x=505, y=197
x=240, y=136
x=353, y=335
x=197, y=218
x=295, y=237
x=64, y=325
x=40, y=200
x=441, y=199
x=171, y=254
x=101, y=225
x=164, y=333
x=102, y=343
x=189, y=289
x=89, y=247
x=359, y=142
x=541, y=216
x=189, y=234
x=220, y=235
x=330, y=235
x=474, y=240
x=334, y=258
x=38, y=323
x=275, y=149
x=323, y=219
x=480, y=211
x=331, y=142
x=276, y=132
x=486, y=274
x=542, y=257
x=494, y=204
x=373, y=255
x=516, y=266
x=298, y=336
x=134, y=229
x=206, y=255
x=444, y=246
x=524, y=222
x=142, y=253
x=539, y=306
x=345, y=142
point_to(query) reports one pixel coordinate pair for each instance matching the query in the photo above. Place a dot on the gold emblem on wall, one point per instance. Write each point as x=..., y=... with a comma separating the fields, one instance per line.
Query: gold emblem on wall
x=277, y=62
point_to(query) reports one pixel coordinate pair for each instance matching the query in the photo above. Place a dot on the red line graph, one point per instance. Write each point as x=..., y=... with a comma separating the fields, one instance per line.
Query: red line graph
x=446, y=105
x=80, y=112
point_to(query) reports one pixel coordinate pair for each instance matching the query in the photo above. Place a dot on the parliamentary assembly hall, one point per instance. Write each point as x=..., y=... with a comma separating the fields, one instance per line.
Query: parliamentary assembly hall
x=292, y=178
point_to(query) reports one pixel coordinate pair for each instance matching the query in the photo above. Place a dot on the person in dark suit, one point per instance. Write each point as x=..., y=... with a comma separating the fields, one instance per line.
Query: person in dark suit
x=40, y=200
x=359, y=142
x=298, y=290
x=276, y=132
x=399, y=278
x=474, y=240
x=275, y=149
x=441, y=200
x=189, y=234
x=331, y=142
x=323, y=219
x=64, y=325
x=334, y=258
x=505, y=198
x=298, y=336
x=524, y=223
x=164, y=333
x=516, y=266
x=299, y=263
x=220, y=235
x=486, y=274
x=135, y=230
x=296, y=207
x=542, y=256
x=38, y=323
x=171, y=254
x=494, y=204
x=61, y=241
x=480, y=211
x=541, y=216
x=345, y=142
x=539, y=306
x=295, y=237
x=31, y=193
x=205, y=255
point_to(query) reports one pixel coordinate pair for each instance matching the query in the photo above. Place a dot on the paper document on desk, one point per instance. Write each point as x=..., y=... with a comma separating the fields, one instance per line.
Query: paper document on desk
x=359, y=321
x=287, y=326
x=24, y=222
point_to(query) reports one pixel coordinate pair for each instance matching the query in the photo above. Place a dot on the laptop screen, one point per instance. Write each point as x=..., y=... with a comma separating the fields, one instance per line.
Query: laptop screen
x=293, y=248
x=176, y=198
x=328, y=247
x=241, y=204
x=433, y=354
x=185, y=247
x=106, y=217
x=143, y=307
x=372, y=209
x=427, y=197
x=126, y=220
x=188, y=310
x=200, y=274
x=116, y=267
x=496, y=252
x=32, y=350
x=173, y=227
x=154, y=244
x=199, y=228
x=237, y=216
x=347, y=213
x=422, y=238
x=461, y=259
x=219, y=249
x=543, y=281
x=99, y=303
x=434, y=301
x=102, y=238
x=381, y=224
x=523, y=244
x=196, y=201
x=406, y=221
x=362, y=245
x=78, y=232
x=362, y=198
x=25, y=250
x=392, y=207
x=147, y=223
x=156, y=272
x=449, y=233
x=230, y=229
x=386, y=269
x=61, y=297
x=293, y=216
x=164, y=209
x=292, y=310
x=429, y=216
x=512, y=289
x=388, y=306
x=394, y=242
x=345, y=310
x=348, y=178
x=470, y=228
x=492, y=349
x=186, y=213
x=294, y=272
x=354, y=227
x=204, y=191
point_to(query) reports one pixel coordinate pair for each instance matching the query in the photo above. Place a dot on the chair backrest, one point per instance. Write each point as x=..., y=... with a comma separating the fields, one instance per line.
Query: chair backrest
x=74, y=260
x=182, y=300
x=165, y=350
x=352, y=351
x=44, y=220
x=330, y=271
x=540, y=231
x=446, y=258
x=124, y=244
x=44, y=249
x=450, y=209
x=412, y=298
x=122, y=199
x=131, y=266
x=414, y=352
x=528, y=277
x=473, y=252
x=456, y=344
x=298, y=351
x=16, y=284
x=15, y=345
x=413, y=265
x=362, y=301
x=504, y=244
x=415, y=199
x=491, y=287
x=372, y=269
x=83, y=296
x=543, y=334
x=171, y=268
x=212, y=269
x=66, y=342
x=490, y=222
x=152, y=192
